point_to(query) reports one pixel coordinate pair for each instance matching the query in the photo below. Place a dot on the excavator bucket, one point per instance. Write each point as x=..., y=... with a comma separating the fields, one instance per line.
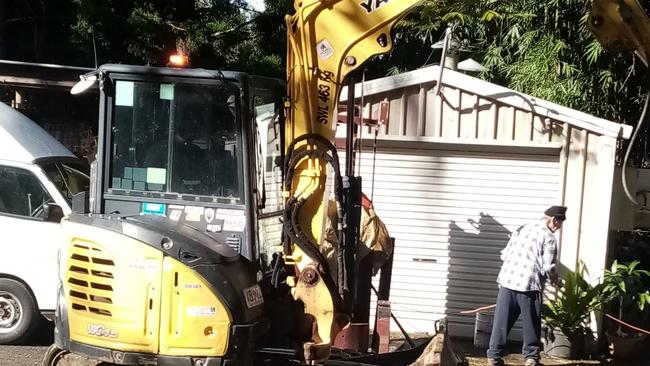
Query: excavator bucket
x=440, y=352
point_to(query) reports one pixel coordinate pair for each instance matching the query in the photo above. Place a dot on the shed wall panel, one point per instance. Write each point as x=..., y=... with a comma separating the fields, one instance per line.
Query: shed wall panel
x=467, y=115
x=575, y=172
x=596, y=199
x=451, y=214
x=486, y=120
x=523, y=126
x=411, y=99
x=432, y=117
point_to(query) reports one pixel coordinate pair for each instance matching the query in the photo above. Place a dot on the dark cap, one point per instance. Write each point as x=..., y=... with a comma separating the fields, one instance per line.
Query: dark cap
x=559, y=212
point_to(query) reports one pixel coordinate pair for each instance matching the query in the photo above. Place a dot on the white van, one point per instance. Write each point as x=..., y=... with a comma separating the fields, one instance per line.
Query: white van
x=38, y=177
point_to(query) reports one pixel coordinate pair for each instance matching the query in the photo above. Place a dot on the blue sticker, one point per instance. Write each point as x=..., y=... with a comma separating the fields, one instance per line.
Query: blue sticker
x=149, y=208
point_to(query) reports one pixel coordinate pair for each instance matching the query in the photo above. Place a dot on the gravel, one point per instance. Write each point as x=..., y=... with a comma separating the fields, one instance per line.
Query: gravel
x=31, y=352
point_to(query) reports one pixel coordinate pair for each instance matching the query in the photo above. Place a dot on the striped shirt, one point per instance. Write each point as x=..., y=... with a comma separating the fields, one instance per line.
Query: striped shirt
x=529, y=258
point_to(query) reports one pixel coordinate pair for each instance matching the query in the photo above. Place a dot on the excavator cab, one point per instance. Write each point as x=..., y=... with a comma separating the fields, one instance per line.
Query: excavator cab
x=161, y=264
x=184, y=144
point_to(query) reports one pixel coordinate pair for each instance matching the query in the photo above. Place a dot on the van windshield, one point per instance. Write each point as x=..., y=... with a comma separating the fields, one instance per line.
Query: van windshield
x=69, y=178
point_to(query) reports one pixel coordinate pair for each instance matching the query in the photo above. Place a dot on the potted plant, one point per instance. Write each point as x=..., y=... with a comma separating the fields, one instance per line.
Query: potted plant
x=627, y=296
x=566, y=316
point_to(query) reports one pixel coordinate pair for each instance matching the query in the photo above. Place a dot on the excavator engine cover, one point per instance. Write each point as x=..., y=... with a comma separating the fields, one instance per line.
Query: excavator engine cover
x=145, y=289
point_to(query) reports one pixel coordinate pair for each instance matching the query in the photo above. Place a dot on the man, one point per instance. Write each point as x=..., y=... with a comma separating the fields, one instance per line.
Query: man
x=529, y=259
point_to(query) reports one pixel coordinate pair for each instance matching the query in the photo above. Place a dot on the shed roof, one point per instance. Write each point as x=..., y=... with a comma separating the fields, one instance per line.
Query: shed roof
x=21, y=139
x=492, y=91
x=29, y=74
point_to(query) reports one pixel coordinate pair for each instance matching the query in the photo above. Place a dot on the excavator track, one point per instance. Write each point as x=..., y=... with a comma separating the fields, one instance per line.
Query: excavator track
x=55, y=356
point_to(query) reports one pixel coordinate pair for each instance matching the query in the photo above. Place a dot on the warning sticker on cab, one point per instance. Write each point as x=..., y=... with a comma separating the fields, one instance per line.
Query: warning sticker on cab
x=201, y=311
x=253, y=296
x=233, y=220
x=193, y=213
x=324, y=50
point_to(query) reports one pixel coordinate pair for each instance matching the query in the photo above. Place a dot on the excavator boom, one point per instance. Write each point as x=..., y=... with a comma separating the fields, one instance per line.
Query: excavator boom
x=326, y=41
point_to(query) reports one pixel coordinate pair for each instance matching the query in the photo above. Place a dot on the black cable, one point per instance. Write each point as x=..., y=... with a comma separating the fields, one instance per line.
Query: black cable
x=629, y=149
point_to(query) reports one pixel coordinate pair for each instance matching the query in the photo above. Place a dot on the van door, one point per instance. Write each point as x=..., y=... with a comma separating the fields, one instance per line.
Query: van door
x=29, y=244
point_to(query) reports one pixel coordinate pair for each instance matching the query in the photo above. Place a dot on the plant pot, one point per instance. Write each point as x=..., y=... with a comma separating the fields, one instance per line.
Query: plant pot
x=483, y=329
x=558, y=344
x=628, y=348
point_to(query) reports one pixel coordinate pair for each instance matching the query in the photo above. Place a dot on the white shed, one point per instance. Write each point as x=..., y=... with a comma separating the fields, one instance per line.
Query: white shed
x=455, y=173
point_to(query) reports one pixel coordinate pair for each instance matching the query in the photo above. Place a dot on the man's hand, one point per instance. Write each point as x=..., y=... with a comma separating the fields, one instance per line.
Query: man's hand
x=556, y=281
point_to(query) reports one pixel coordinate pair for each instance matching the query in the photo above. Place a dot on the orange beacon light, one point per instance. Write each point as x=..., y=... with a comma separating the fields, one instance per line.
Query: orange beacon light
x=178, y=60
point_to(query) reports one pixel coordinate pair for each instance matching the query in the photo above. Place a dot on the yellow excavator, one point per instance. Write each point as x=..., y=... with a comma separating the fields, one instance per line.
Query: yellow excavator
x=167, y=260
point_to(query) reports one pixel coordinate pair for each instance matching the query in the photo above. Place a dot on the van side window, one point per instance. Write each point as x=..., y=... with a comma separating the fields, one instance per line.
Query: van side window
x=22, y=194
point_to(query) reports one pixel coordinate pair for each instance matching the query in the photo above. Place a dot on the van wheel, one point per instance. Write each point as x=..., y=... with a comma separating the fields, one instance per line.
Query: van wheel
x=18, y=312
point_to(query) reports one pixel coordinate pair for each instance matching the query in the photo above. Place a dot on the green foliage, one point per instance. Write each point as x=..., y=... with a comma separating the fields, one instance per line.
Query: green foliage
x=37, y=31
x=540, y=48
x=570, y=309
x=624, y=284
x=217, y=34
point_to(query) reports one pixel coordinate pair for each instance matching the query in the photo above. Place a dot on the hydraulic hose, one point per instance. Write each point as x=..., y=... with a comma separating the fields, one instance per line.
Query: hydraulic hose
x=629, y=149
x=317, y=147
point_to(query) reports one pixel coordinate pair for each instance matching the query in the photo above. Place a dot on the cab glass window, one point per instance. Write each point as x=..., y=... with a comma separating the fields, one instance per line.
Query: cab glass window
x=22, y=193
x=176, y=138
x=269, y=127
x=269, y=146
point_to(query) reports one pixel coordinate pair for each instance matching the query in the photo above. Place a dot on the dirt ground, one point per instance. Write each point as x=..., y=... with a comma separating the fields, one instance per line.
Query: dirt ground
x=476, y=357
x=31, y=352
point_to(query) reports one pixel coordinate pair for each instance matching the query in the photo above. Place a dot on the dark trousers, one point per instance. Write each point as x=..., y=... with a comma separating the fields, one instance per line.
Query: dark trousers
x=511, y=304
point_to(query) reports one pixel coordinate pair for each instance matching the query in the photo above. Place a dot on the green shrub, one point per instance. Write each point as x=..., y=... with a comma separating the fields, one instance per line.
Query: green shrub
x=623, y=287
x=569, y=310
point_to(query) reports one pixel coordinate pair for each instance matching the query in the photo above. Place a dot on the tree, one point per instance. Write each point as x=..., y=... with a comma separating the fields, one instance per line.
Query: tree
x=217, y=34
x=544, y=49
x=36, y=31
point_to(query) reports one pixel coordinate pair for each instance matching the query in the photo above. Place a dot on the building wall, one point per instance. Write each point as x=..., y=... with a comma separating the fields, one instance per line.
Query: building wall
x=451, y=210
x=470, y=114
x=588, y=192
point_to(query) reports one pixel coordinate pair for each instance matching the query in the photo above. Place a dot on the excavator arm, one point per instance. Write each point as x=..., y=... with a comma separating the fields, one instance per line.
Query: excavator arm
x=326, y=41
x=621, y=25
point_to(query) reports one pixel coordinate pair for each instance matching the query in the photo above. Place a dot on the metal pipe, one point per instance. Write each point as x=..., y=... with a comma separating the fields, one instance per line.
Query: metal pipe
x=409, y=340
x=349, y=137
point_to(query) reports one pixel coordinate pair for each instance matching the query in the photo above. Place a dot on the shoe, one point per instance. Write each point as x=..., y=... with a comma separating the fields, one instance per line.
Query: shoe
x=496, y=362
x=532, y=362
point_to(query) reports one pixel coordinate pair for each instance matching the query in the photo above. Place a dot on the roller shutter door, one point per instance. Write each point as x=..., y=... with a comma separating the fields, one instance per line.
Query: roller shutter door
x=451, y=214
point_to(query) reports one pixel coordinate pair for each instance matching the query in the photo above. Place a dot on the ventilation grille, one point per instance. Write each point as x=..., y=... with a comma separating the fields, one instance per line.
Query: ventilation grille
x=90, y=279
x=234, y=242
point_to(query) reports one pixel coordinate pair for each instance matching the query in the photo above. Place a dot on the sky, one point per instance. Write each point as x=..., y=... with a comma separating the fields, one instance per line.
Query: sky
x=256, y=4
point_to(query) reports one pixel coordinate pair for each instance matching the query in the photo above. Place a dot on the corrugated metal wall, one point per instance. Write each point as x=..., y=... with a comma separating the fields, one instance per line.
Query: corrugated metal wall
x=440, y=188
x=451, y=213
x=460, y=114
